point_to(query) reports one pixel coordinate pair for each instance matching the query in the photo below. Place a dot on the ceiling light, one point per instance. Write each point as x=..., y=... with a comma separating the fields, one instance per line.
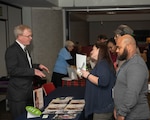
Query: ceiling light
x=111, y=13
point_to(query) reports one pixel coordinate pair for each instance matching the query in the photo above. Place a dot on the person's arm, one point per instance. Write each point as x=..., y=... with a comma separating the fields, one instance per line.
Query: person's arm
x=120, y=117
x=38, y=72
x=115, y=114
x=17, y=66
x=99, y=75
x=90, y=77
x=71, y=62
x=65, y=54
x=136, y=75
x=43, y=67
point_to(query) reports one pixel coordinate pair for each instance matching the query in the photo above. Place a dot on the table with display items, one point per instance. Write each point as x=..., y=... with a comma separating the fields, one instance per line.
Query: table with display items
x=75, y=92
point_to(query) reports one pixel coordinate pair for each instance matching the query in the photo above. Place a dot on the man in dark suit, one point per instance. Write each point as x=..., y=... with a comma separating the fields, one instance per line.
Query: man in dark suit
x=21, y=71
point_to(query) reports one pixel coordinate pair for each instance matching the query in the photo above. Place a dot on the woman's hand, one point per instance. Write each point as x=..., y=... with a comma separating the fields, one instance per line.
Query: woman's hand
x=85, y=73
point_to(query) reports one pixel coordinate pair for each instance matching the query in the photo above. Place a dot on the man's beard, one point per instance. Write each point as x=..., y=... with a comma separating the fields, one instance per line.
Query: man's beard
x=124, y=55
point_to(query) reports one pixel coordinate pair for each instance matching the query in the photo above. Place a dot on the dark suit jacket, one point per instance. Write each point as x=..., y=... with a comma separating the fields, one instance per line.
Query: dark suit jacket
x=20, y=73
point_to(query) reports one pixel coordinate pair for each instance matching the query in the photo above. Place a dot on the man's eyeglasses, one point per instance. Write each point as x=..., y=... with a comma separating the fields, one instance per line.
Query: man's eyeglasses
x=29, y=36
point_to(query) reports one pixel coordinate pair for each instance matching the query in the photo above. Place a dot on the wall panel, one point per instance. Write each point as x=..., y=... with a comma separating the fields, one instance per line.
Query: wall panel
x=3, y=45
x=47, y=28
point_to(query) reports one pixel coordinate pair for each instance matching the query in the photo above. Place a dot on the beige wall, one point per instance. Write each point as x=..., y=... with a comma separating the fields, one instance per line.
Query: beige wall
x=3, y=46
x=47, y=28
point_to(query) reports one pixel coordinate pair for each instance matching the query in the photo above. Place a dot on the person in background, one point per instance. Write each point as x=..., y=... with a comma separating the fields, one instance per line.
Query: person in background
x=130, y=90
x=102, y=38
x=63, y=61
x=120, y=31
x=123, y=30
x=111, y=44
x=21, y=71
x=99, y=84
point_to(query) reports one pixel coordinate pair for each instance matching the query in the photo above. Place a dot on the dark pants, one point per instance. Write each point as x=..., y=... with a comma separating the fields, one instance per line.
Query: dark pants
x=18, y=107
x=57, y=79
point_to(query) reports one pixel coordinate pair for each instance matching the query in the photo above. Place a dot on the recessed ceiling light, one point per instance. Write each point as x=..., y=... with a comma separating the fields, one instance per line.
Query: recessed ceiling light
x=111, y=13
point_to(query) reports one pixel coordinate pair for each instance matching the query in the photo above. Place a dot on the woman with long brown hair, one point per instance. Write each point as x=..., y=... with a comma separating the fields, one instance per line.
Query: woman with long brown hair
x=99, y=84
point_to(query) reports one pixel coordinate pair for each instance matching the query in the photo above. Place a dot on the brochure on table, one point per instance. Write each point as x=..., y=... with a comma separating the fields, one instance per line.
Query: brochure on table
x=38, y=98
x=38, y=103
x=66, y=107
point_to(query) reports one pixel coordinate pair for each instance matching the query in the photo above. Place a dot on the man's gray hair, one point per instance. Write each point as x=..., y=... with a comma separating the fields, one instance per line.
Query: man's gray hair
x=123, y=30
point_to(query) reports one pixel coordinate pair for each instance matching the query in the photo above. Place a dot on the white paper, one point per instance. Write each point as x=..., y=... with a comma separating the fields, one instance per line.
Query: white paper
x=72, y=74
x=29, y=115
x=81, y=61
